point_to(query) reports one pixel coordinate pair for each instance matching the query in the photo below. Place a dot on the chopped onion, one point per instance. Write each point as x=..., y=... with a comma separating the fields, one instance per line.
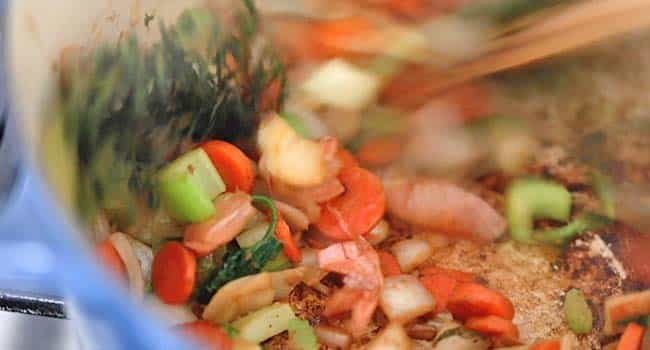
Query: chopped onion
x=288, y=157
x=145, y=257
x=404, y=298
x=294, y=217
x=284, y=281
x=333, y=337
x=122, y=244
x=378, y=233
x=313, y=273
x=393, y=337
x=171, y=315
x=436, y=240
x=239, y=297
x=341, y=84
x=410, y=253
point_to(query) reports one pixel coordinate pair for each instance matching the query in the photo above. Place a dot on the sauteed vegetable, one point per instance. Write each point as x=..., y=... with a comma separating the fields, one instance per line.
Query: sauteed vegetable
x=318, y=196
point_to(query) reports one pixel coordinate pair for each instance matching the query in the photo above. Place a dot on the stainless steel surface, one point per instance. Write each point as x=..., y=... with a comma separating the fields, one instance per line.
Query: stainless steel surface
x=26, y=332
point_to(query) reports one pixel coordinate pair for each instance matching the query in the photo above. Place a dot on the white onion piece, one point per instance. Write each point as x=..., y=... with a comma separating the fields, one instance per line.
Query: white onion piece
x=145, y=257
x=284, y=281
x=378, y=233
x=411, y=253
x=309, y=257
x=170, y=315
x=404, y=298
x=288, y=157
x=436, y=240
x=122, y=245
x=341, y=84
x=239, y=297
x=313, y=273
x=393, y=337
x=294, y=217
x=333, y=337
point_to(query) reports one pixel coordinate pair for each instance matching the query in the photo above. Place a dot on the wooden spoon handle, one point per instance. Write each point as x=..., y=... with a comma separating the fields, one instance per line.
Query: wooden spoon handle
x=545, y=46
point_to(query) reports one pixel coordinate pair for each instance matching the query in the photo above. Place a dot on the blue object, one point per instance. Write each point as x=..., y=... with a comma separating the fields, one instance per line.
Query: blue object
x=41, y=251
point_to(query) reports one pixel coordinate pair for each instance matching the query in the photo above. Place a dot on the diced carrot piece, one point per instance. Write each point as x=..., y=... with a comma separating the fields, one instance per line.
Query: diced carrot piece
x=546, y=345
x=389, y=264
x=173, y=273
x=204, y=332
x=337, y=37
x=235, y=168
x=631, y=338
x=379, y=151
x=474, y=300
x=441, y=286
x=283, y=234
x=347, y=159
x=458, y=275
x=503, y=332
x=356, y=211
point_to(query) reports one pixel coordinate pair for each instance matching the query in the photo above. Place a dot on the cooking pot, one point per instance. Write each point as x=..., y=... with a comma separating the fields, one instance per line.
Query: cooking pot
x=42, y=247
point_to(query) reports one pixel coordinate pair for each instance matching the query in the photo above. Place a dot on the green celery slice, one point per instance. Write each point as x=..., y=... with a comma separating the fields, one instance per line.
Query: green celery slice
x=302, y=335
x=199, y=167
x=184, y=199
x=577, y=312
x=264, y=323
x=562, y=235
x=530, y=199
x=187, y=186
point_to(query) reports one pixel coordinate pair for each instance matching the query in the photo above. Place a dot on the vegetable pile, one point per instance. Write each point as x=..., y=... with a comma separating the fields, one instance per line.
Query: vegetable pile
x=317, y=223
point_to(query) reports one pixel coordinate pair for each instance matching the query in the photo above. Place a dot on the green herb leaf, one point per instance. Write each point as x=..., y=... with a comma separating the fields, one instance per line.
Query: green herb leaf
x=127, y=109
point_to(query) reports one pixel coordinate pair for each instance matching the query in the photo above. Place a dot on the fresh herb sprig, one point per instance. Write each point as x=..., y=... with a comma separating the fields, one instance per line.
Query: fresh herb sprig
x=128, y=109
x=245, y=262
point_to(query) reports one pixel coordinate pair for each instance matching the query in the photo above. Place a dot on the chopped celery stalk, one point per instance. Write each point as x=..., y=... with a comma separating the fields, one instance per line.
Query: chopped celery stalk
x=530, y=199
x=279, y=263
x=297, y=124
x=577, y=312
x=302, y=335
x=604, y=190
x=264, y=323
x=184, y=199
x=251, y=236
x=199, y=167
x=580, y=224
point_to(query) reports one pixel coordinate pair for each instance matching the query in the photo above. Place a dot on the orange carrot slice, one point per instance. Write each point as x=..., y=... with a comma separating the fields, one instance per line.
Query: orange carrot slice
x=474, y=300
x=173, y=273
x=232, y=164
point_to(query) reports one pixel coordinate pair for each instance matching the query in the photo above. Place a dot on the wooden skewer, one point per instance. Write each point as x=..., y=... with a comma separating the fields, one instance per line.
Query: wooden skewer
x=556, y=42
